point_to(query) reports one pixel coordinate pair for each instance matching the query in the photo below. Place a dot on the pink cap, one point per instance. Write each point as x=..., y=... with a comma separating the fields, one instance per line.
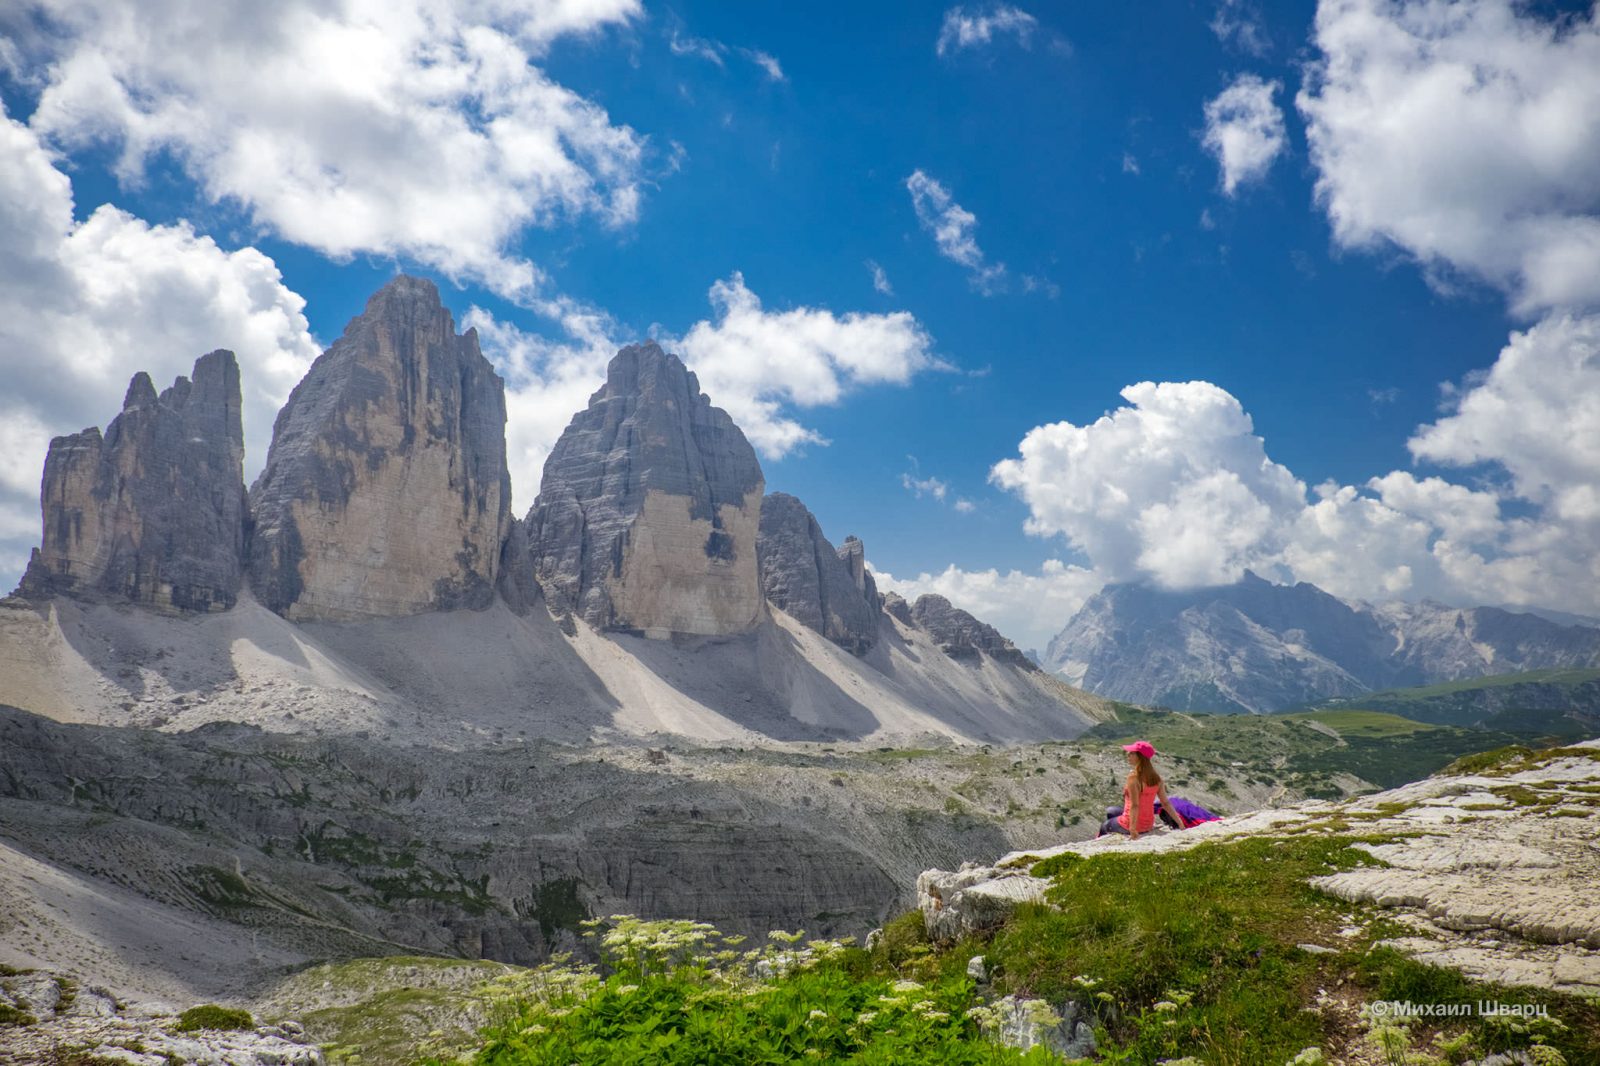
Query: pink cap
x=1142, y=747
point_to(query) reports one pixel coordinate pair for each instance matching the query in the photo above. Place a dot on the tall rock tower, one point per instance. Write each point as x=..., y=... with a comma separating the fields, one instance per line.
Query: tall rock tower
x=649, y=508
x=153, y=512
x=830, y=590
x=386, y=491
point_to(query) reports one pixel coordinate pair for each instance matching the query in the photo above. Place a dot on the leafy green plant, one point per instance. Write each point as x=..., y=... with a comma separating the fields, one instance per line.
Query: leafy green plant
x=680, y=992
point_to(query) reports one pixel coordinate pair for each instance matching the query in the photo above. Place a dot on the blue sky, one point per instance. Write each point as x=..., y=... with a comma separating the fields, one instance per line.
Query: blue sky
x=1110, y=228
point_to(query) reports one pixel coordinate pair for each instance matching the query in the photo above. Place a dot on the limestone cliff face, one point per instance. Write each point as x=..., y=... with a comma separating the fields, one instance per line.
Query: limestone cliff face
x=649, y=508
x=824, y=588
x=152, y=512
x=386, y=491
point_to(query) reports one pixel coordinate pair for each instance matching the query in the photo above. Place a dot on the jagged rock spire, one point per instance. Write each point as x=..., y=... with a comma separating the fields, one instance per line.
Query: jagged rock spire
x=152, y=512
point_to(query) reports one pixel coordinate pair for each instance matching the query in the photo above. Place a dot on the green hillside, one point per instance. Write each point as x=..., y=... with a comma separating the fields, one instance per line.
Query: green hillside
x=1304, y=748
x=1547, y=704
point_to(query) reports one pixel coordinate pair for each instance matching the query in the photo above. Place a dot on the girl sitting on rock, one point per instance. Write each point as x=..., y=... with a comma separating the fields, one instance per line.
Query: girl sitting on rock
x=1139, y=795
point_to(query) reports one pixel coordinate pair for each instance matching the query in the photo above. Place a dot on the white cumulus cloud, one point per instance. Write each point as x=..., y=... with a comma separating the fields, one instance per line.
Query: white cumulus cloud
x=954, y=231
x=1245, y=130
x=1466, y=134
x=415, y=128
x=84, y=305
x=1175, y=488
x=978, y=26
x=1537, y=414
x=1027, y=608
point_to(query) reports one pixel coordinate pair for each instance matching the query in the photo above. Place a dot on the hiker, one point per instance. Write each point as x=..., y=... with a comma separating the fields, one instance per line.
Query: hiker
x=1140, y=793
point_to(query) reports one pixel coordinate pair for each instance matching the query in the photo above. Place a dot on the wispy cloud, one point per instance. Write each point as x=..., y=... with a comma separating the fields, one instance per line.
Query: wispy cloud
x=924, y=486
x=880, y=280
x=953, y=228
x=683, y=44
x=1238, y=23
x=766, y=61
x=1037, y=283
x=977, y=27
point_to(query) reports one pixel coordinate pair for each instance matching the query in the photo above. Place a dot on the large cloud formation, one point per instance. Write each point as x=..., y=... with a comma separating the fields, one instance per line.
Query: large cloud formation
x=416, y=128
x=1466, y=134
x=85, y=304
x=1175, y=488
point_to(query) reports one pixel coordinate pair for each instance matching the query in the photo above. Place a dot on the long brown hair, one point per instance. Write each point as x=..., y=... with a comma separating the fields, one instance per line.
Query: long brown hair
x=1144, y=771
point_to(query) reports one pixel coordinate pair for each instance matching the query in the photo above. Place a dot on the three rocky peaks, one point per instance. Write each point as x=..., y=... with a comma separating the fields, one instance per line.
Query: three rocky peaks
x=386, y=493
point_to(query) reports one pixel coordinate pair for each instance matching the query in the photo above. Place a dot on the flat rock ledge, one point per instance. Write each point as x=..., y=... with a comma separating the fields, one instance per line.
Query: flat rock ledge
x=1494, y=874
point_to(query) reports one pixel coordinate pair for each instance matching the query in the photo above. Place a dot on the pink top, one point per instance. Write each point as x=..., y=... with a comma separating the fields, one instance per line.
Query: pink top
x=1147, y=808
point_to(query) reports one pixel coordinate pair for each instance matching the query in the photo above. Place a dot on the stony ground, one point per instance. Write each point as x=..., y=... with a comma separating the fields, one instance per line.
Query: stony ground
x=70, y=1024
x=1492, y=873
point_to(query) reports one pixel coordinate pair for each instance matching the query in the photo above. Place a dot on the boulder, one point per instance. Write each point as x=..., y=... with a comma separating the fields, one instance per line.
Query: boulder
x=386, y=491
x=803, y=574
x=650, y=506
x=153, y=512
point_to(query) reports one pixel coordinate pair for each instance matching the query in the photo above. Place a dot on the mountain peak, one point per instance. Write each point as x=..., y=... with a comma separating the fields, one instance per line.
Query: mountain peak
x=649, y=507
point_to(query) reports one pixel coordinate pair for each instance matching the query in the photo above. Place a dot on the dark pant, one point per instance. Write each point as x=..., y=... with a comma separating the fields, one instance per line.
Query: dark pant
x=1111, y=825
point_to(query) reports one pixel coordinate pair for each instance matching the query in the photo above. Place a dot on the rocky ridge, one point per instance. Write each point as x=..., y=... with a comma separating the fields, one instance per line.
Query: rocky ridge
x=1257, y=646
x=386, y=490
x=1507, y=900
x=960, y=635
x=830, y=590
x=648, y=511
x=152, y=512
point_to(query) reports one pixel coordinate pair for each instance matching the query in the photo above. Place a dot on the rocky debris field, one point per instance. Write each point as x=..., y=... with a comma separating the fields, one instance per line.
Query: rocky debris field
x=47, y=1017
x=1489, y=872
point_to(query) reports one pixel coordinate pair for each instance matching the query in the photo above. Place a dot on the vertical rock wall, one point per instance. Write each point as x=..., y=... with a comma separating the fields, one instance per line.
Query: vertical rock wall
x=803, y=574
x=153, y=512
x=649, y=507
x=386, y=491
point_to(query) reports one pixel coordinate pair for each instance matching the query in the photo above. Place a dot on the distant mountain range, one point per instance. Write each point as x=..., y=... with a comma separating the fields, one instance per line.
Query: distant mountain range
x=1257, y=646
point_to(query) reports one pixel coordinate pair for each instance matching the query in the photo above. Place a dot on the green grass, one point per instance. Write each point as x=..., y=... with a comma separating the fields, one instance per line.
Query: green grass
x=1216, y=923
x=1357, y=723
x=211, y=1016
x=15, y=1016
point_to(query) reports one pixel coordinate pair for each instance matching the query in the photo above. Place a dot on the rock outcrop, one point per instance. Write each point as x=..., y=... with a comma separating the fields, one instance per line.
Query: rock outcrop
x=153, y=512
x=386, y=491
x=962, y=636
x=1257, y=646
x=824, y=588
x=650, y=506
x=1507, y=900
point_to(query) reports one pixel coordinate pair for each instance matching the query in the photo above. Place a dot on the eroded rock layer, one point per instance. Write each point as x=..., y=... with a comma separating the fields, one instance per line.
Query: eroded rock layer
x=649, y=508
x=386, y=491
x=824, y=588
x=153, y=511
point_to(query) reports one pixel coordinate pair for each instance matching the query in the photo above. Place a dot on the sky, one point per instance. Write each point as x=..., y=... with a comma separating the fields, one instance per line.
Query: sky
x=1029, y=297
